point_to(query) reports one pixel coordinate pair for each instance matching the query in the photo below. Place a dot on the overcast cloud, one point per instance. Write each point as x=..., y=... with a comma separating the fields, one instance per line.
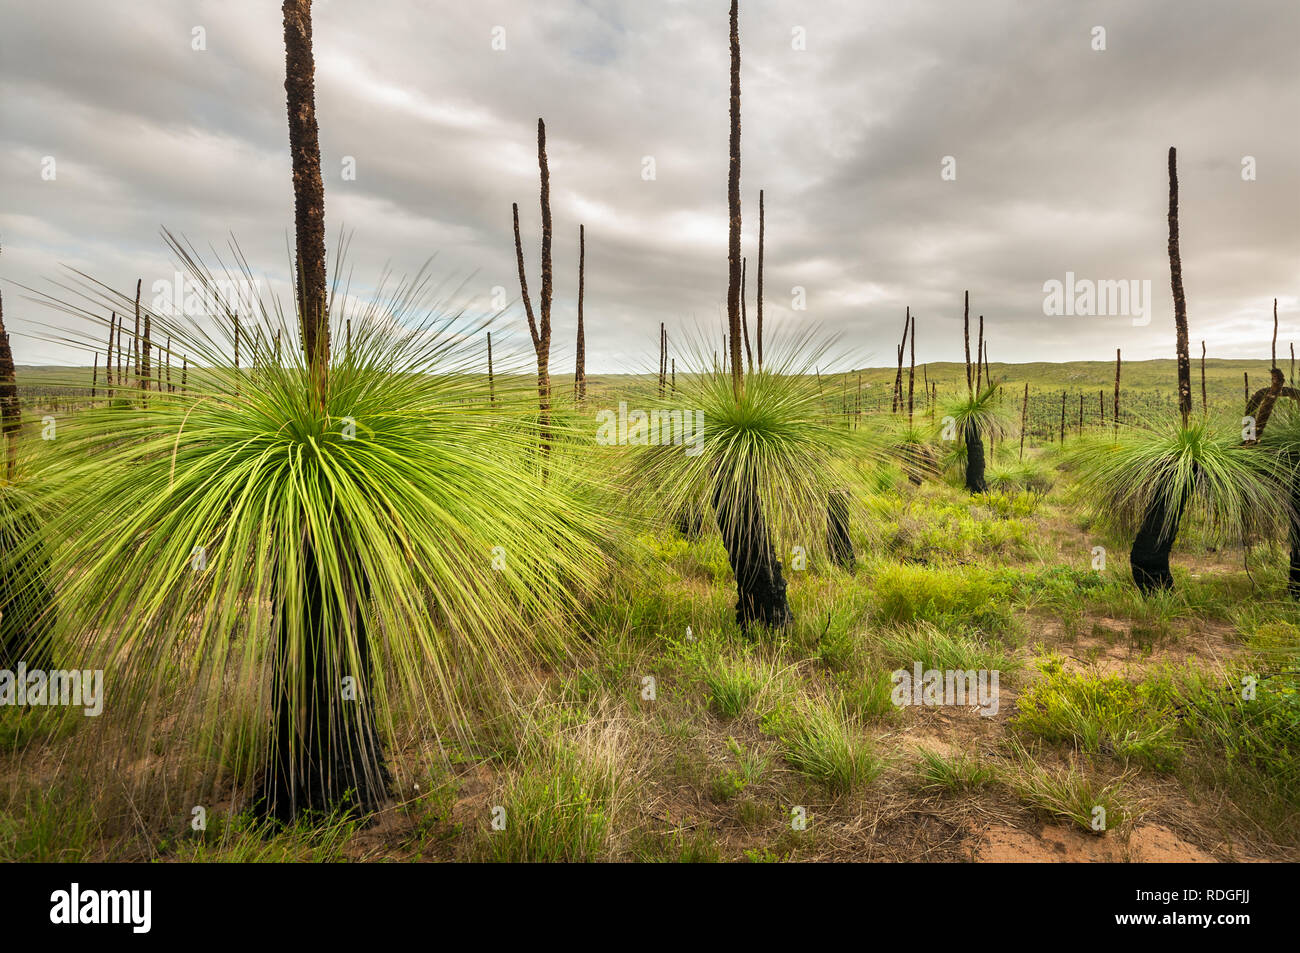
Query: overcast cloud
x=1060, y=158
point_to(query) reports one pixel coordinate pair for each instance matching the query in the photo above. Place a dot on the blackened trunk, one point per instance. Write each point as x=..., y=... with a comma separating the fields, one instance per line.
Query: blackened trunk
x=308, y=189
x=975, y=461
x=1180, y=300
x=1155, y=538
x=326, y=755
x=26, y=600
x=733, y=213
x=837, y=528
x=690, y=521
x=1293, y=576
x=759, y=583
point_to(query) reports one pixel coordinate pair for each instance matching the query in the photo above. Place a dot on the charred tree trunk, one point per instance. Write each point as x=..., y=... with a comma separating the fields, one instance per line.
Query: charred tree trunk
x=1149, y=557
x=26, y=598
x=661, y=381
x=760, y=586
x=1180, y=301
x=1293, y=575
x=308, y=189
x=580, y=377
x=898, y=377
x=10, y=409
x=733, y=209
x=758, y=318
x=1274, y=364
x=145, y=351
x=544, y=332
x=1265, y=403
x=965, y=323
x=975, y=460
x=744, y=317
x=540, y=331
x=1205, y=406
x=25, y=595
x=911, y=376
x=108, y=354
x=690, y=521
x=326, y=754
x=1024, y=420
x=135, y=334
x=837, y=528
x=1116, y=408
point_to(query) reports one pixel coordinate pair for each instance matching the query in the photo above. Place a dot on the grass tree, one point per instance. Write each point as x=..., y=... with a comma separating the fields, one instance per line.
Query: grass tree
x=977, y=414
x=332, y=545
x=758, y=320
x=1147, y=479
x=248, y=545
x=741, y=468
x=580, y=367
x=969, y=418
x=539, y=325
x=734, y=266
x=1151, y=475
x=308, y=189
x=766, y=464
x=325, y=748
x=10, y=409
x=25, y=596
x=1158, y=529
x=1283, y=442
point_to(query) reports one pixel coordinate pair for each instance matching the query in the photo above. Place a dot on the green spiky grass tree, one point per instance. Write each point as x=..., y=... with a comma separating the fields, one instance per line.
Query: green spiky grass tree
x=340, y=560
x=329, y=751
x=766, y=464
x=736, y=483
x=330, y=542
x=1152, y=475
x=1147, y=479
x=25, y=597
x=1155, y=536
x=1282, y=440
x=970, y=418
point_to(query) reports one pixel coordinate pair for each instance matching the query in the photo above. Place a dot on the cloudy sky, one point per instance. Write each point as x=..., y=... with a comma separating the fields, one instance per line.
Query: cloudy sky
x=849, y=110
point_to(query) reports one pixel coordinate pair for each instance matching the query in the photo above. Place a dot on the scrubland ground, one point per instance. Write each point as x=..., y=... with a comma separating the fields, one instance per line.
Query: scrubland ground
x=673, y=736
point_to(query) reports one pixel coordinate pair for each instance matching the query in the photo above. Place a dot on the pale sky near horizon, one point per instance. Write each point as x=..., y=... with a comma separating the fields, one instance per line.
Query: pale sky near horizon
x=848, y=112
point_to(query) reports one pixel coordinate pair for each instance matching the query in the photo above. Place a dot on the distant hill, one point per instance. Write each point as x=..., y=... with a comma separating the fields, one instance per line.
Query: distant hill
x=1158, y=378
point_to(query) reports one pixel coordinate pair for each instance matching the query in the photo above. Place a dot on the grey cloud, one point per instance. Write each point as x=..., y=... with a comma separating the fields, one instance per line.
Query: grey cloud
x=1060, y=153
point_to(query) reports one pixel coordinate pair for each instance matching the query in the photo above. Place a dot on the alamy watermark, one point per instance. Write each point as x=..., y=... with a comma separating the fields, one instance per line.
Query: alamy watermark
x=181, y=295
x=655, y=428
x=934, y=687
x=131, y=908
x=84, y=689
x=1128, y=298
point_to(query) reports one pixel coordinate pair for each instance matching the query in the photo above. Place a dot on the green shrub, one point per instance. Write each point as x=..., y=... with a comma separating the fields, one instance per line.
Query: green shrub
x=1105, y=714
x=950, y=598
x=959, y=773
x=822, y=742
